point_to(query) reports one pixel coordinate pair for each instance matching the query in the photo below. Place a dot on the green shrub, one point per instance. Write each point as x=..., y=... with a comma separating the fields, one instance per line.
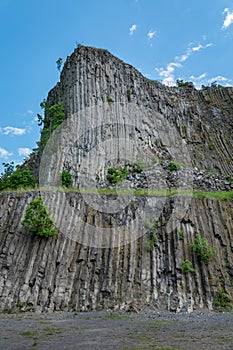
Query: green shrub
x=187, y=266
x=148, y=245
x=138, y=166
x=202, y=249
x=181, y=235
x=37, y=220
x=110, y=100
x=66, y=179
x=222, y=300
x=128, y=95
x=211, y=146
x=115, y=175
x=173, y=166
x=184, y=129
x=184, y=84
x=15, y=177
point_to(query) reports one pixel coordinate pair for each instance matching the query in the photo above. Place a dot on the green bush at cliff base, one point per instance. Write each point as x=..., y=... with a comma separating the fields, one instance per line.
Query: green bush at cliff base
x=15, y=177
x=37, y=220
x=222, y=301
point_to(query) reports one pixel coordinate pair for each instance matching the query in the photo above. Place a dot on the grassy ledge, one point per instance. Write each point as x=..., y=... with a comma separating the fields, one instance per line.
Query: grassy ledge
x=217, y=195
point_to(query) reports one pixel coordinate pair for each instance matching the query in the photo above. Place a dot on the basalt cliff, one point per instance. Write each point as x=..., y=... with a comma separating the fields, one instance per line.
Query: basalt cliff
x=132, y=243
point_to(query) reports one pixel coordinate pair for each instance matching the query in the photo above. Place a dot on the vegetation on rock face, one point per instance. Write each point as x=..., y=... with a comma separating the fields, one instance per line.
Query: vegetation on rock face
x=38, y=221
x=59, y=63
x=181, y=235
x=152, y=226
x=187, y=266
x=115, y=176
x=110, y=99
x=218, y=195
x=66, y=179
x=213, y=85
x=15, y=177
x=173, y=166
x=211, y=146
x=184, y=84
x=222, y=301
x=129, y=95
x=54, y=117
x=202, y=249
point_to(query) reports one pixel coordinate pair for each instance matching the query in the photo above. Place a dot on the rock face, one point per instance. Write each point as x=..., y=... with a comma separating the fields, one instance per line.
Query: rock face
x=106, y=255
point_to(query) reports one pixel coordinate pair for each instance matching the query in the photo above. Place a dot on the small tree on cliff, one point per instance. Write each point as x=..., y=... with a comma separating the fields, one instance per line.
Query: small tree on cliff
x=38, y=221
x=59, y=63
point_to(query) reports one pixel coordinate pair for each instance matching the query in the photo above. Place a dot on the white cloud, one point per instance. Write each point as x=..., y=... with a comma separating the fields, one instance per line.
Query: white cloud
x=4, y=153
x=151, y=34
x=24, y=151
x=132, y=29
x=220, y=78
x=10, y=130
x=169, y=81
x=200, y=77
x=197, y=48
x=29, y=111
x=202, y=80
x=169, y=69
x=200, y=47
x=228, y=19
x=185, y=56
x=168, y=74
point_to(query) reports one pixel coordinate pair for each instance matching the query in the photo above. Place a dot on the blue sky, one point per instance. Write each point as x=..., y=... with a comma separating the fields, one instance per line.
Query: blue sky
x=164, y=39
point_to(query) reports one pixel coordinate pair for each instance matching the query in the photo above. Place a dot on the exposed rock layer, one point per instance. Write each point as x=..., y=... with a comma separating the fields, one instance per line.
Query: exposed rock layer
x=203, y=118
x=53, y=274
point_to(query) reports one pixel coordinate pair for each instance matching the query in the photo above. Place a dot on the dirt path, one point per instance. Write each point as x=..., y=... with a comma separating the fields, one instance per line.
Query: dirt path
x=103, y=330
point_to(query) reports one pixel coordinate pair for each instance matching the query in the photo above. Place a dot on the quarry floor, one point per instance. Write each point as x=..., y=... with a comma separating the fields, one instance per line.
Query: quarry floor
x=105, y=330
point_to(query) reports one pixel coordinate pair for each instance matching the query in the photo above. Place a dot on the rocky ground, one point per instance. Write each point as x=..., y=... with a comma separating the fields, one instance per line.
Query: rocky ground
x=105, y=330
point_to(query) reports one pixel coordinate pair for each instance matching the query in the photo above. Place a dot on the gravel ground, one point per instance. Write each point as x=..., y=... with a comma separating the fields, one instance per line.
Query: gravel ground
x=104, y=330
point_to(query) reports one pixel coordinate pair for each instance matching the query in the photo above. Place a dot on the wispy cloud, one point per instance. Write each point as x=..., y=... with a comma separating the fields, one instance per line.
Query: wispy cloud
x=220, y=78
x=200, y=47
x=168, y=73
x=10, y=130
x=4, y=153
x=200, y=77
x=132, y=29
x=228, y=19
x=24, y=151
x=151, y=34
x=203, y=80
